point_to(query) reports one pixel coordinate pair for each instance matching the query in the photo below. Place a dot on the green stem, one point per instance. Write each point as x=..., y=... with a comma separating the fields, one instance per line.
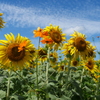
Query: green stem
x=98, y=85
x=8, y=86
x=68, y=74
x=47, y=67
x=37, y=71
x=37, y=75
x=68, y=69
x=82, y=74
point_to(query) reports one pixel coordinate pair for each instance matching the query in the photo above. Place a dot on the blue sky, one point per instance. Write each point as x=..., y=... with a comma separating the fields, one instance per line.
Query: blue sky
x=24, y=16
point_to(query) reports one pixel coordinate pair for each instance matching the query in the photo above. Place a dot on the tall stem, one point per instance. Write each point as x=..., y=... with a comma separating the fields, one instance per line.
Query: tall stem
x=82, y=77
x=8, y=86
x=68, y=74
x=68, y=68
x=47, y=67
x=37, y=70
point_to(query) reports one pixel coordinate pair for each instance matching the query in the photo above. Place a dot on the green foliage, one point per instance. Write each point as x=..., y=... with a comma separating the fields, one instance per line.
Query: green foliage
x=23, y=85
x=2, y=94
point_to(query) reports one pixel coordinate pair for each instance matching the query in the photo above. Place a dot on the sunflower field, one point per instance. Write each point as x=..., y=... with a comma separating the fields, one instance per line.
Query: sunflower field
x=62, y=69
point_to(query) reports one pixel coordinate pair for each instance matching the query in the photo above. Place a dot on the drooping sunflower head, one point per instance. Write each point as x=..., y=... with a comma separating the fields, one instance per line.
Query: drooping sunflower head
x=15, y=52
x=1, y=21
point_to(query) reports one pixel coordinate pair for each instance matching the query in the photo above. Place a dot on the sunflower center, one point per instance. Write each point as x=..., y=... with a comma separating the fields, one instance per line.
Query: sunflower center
x=89, y=65
x=32, y=51
x=56, y=36
x=75, y=63
x=13, y=53
x=62, y=67
x=90, y=54
x=80, y=44
x=42, y=53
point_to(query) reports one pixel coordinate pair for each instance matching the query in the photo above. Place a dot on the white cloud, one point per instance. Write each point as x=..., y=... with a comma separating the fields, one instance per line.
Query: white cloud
x=36, y=17
x=76, y=28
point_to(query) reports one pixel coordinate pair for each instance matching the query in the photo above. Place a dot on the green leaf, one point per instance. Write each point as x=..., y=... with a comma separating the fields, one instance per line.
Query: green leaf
x=2, y=94
x=34, y=97
x=53, y=97
x=59, y=76
x=78, y=89
x=65, y=98
x=98, y=97
x=87, y=89
x=14, y=97
x=73, y=68
x=1, y=79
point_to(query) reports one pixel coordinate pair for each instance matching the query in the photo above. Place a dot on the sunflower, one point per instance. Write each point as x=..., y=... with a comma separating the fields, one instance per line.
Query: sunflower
x=1, y=14
x=15, y=52
x=1, y=21
x=40, y=32
x=90, y=65
x=96, y=77
x=61, y=67
x=47, y=40
x=66, y=50
x=53, y=58
x=75, y=63
x=98, y=63
x=55, y=34
x=77, y=45
x=42, y=54
x=91, y=52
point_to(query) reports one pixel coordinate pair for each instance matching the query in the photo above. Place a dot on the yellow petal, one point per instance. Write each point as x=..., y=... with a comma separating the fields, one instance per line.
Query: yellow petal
x=1, y=14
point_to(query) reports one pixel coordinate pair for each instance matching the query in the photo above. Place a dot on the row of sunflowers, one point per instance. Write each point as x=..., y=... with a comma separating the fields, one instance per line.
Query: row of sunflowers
x=63, y=69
